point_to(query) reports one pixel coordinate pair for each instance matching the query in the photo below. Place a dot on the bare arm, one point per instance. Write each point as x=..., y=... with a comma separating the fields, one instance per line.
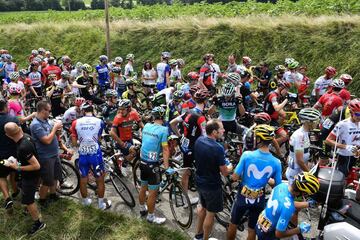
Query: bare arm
x=166, y=155
x=299, y=155
x=173, y=125
x=114, y=135
x=224, y=171
x=331, y=140
x=287, y=233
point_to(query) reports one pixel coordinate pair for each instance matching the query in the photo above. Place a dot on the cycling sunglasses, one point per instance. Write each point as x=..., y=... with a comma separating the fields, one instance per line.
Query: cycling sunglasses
x=357, y=114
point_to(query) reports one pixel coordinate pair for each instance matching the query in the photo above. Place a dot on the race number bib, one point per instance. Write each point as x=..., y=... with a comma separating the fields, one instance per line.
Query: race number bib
x=327, y=124
x=88, y=149
x=264, y=223
x=185, y=142
x=153, y=156
x=251, y=193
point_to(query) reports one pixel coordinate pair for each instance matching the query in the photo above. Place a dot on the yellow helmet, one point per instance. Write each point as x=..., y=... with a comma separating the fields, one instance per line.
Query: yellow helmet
x=265, y=132
x=307, y=183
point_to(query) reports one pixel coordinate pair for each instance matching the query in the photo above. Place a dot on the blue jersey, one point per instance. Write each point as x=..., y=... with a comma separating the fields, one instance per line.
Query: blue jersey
x=103, y=74
x=154, y=136
x=256, y=168
x=279, y=209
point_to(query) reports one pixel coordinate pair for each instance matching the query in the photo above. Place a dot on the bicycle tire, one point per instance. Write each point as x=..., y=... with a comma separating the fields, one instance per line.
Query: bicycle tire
x=136, y=175
x=176, y=200
x=123, y=190
x=67, y=169
x=224, y=216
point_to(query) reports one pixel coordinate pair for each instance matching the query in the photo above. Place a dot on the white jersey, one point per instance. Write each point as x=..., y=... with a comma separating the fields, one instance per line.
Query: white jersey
x=349, y=134
x=321, y=84
x=35, y=78
x=299, y=140
x=88, y=130
x=161, y=68
x=129, y=70
x=215, y=73
x=167, y=92
x=61, y=84
x=19, y=84
x=70, y=115
x=175, y=75
x=293, y=77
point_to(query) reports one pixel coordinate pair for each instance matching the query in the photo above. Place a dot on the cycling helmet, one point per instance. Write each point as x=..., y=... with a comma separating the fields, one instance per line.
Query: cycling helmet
x=124, y=103
x=110, y=93
x=284, y=84
x=86, y=68
x=7, y=57
x=78, y=101
x=338, y=83
x=52, y=76
x=265, y=132
x=34, y=63
x=66, y=59
x=14, y=89
x=178, y=86
x=78, y=65
x=228, y=89
x=34, y=52
x=23, y=72
x=194, y=89
x=166, y=55
x=234, y=78
x=288, y=61
x=14, y=75
x=118, y=60
x=262, y=118
x=103, y=58
x=354, y=105
x=85, y=106
x=116, y=70
x=38, y=59
x=65, y=75
x=309, y=114
x=293, y=65
x=244, y=73
x=193, y=75
x=47, y=53
x=246, y=60
x=201, y=95
x=41, y=50
x=130, y=81
x=180, y=62
x=178, y=94
x=280, y=68
x=307, y=183
x=158, y=112
x=130, y=56
x=172, y=62
x=346, y=78
x=330, y=70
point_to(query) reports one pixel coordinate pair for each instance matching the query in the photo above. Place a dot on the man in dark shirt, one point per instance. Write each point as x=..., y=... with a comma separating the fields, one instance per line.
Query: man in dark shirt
x=7, y=149
x=209, y=165
x=27, y=167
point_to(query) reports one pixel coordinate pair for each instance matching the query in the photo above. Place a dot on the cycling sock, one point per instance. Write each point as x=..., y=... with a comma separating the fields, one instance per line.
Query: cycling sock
x=101, y=201
x=199, y=236
x=143, y=207
x=151, y=215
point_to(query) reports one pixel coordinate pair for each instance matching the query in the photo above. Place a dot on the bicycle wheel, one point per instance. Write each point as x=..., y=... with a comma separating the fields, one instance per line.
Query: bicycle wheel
x=224, y=216
x=136, y=175
x=122, y=190
x=180, y=206
x=70, y=182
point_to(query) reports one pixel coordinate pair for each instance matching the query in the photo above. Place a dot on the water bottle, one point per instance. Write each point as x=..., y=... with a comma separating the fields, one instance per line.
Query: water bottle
x=345, y=208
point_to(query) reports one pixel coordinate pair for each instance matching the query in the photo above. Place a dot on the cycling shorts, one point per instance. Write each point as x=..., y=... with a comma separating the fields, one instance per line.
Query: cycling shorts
x=94, y=162
x=126, y=150
x=161, y=86
x=230, y=126
x=188, y=160
x=150, y=174
x=264, y=235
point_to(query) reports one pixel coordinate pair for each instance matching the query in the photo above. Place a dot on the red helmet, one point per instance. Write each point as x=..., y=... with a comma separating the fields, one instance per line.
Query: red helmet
x=284, y=84
x=79, y=101
x=246, y=60
x=346, y=78
x=193, y=75
x=262, y=118
x=187, y=96
x=201, y=94
x=330, y=70
x=354, y=105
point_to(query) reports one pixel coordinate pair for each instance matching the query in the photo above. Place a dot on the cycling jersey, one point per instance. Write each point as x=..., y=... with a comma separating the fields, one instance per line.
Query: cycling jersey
x=9, y=68
x=52, y=69
x=55, y=100
x=348, y=134
x=70, y=115
x=270, y=99
x=154, y=137
x=15, y=108
x=263, y=76
x=186, y=106
x=172, y=110
x=123, y=125
x=129, y=70
x=277, y=214
x=88, y=82
x=35, y=78
x=227, y=107
x=329, y=102
x=109, y=112
x=175, y=75
x=344, y=94
x=103, y=74
x=321, y=85
x=162, y=69
x=206, y=72
x=299, y=141
x=293, y=78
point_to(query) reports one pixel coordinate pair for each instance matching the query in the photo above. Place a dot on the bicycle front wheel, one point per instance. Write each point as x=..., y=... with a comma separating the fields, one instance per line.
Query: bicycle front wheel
x=122, y=190
x=180, y=206
x=70, y=179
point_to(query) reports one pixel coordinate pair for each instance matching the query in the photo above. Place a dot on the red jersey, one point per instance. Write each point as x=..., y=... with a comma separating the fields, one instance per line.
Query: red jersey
x=345, y=94
x=271, y=98
x=52, y=69
x=329, y=102
x=206, y=73
x=124, y=124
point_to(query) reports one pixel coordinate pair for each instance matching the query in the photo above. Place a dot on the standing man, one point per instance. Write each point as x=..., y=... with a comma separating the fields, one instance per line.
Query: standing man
x=209, y=165
x=163, y=72
x=27, y=165
x=47, y=147
x=206, y=72
x=88, y=130
x=7, y=149
x=154, y=142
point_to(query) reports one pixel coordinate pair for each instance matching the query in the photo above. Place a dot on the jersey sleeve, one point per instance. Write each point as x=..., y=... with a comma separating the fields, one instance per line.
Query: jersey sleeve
x=73, y=129
x=336, y=129
x=27, y=151
x=102, y=127
x=164, y=137
x=202, y=124
x=278, y=172
x=284, y=218
x=299, y=142
x=115, y=123
x=240, y=167
x=137, y=117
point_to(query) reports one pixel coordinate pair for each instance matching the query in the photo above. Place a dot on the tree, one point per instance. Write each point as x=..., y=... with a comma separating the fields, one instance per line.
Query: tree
x=74, y=4
x=115, y=3
x=97, y=4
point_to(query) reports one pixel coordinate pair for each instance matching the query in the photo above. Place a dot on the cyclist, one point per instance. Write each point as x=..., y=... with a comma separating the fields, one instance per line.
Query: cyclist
x=280, y=71
x=180, y=63
x=14, y=81
x=322, y=83
x=273, y=221
x=88, y=130
x=33, y=54
x=9, y=65
x=55, y=94
x=66, y=62
x=110, y=109
x=263, y=75
x=102, y=72
x=15, y=106
x=129, y=69
x=130, y=93
x=275, y=110
x=206, y=71
x=163, y=72
x=173, y=108
x=51, y=68
x=27, y=82
x=330, y=101
x=154, y=142
x=293, y=76
x=76, y=72
x=347, y=134
x=175, y=75
x=255, y=169
x=300, y=143
x=304, y=85
x=194, y=124
x=74, y=112
x=344, y=93
x=36, y=78
x=118, y=80
x=121, y=130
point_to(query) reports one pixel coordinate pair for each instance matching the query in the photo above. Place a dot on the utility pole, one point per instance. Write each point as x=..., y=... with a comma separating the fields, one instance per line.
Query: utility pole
x=107, y=28
x=69, y=5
